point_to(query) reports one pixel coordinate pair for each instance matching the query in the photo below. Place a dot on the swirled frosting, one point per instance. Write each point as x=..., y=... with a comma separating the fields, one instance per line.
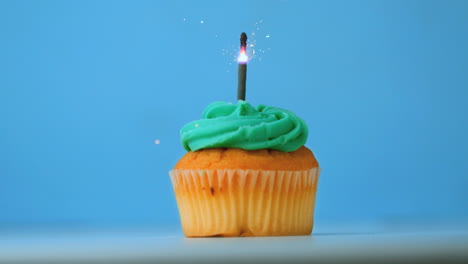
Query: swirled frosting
x=226, y=125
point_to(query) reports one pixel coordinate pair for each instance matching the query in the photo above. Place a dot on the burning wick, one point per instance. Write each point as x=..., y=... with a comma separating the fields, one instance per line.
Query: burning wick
x=242, y=70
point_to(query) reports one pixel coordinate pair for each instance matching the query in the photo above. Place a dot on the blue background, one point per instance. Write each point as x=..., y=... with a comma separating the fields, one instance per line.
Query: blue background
x=86, y=87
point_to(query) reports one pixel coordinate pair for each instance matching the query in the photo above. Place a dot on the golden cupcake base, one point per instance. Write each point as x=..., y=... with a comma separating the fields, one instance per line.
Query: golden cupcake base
x=232, y=203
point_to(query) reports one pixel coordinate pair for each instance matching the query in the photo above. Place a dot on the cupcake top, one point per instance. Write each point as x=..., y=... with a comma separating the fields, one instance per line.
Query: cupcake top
x=235, y=159
x=226, y=125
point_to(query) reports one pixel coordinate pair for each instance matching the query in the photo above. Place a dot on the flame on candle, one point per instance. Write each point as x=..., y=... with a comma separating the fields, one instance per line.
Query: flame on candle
x=254, y=50
x=243, y=58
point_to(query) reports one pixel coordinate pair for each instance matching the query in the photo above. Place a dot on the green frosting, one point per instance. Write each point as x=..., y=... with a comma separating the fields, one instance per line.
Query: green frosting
x=226, y=125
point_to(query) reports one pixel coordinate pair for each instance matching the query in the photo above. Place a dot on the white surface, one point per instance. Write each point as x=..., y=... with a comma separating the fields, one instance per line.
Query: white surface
x=352, y=244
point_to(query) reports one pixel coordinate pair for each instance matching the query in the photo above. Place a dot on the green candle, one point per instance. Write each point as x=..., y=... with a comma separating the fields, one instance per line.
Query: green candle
x=242, y=69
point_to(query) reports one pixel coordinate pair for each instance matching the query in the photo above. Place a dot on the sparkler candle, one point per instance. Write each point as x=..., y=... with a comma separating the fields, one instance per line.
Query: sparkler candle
x=242, y=69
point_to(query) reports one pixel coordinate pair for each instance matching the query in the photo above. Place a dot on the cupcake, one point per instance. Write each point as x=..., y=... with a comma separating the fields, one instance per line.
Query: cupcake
x=246, y=173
